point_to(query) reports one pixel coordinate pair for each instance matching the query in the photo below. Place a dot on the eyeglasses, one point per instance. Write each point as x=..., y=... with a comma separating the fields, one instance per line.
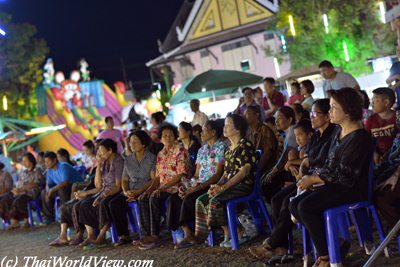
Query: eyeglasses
x=315, y=113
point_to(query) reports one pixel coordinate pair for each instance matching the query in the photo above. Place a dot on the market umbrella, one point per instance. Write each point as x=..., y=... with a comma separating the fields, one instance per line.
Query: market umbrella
x=221, y=79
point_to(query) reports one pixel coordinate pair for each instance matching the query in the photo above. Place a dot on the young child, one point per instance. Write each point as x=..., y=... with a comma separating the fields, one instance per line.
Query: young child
x=296, y=96
x=382, y=124
x=302, y=131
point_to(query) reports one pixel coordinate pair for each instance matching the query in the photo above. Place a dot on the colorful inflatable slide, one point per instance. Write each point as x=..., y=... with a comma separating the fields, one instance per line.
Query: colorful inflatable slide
x=81, y=106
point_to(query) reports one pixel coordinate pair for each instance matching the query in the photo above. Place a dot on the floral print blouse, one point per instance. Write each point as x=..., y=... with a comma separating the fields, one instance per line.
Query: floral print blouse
x=208, y=158
x=26, y=177
x=236, y=158
x=172, y=161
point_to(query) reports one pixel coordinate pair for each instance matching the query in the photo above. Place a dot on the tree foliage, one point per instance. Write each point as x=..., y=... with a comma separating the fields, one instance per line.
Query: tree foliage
x=357, y=22
x=21, y=58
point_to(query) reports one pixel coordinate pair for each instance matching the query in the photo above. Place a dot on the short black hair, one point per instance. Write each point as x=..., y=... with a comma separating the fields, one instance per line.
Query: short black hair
x=197, y=128
x=215, y=126
x=255, y=109
x=247, y=89
x=270, y=80
x=350, y=101
x=109, y=144
x=288, y=112
x=304, y=125
x=158, y=117
x=31, y=158
x=298, y=108
x=142, y=136
x=325, y=63
x=365, y=98
x=386, y=93
x=50, y=154
x=108, y=118
x=89, y=144
x=239, y=123
x=195, y=102
x=168, y=126
x=308, y=84
x=41, y=154
x=323, y=105
x=295, y=84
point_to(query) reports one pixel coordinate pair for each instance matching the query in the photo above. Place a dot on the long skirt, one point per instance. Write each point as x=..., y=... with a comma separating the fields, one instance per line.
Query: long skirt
x=69, y=214
x=211, y=212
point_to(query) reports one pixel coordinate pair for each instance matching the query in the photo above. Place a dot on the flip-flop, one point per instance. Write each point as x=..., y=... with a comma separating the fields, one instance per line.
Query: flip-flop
x=75, y=242
x=93, y=246
x=183, y=244
x=58, y=243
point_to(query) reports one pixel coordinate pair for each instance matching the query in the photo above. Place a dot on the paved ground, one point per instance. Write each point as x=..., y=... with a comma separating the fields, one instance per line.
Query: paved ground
x=34, y=242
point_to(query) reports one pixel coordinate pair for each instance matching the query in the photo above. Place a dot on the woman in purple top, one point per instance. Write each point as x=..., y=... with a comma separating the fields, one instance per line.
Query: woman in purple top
x=94, y=211
x=112, y=134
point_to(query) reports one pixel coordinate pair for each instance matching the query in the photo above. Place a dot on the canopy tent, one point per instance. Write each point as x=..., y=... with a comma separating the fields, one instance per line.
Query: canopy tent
x=302, y=72
x=220, y=79
x=213, y=83
x=21, y=131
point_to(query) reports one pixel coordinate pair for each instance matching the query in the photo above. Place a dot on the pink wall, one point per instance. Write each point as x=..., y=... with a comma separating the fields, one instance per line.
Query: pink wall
x=263, y=65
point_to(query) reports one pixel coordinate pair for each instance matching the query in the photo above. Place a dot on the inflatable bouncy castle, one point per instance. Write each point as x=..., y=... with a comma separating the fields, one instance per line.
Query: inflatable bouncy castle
x=78, y=103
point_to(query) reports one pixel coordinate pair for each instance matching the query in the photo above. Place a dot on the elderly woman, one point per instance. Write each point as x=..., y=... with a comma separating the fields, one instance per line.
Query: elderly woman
x=172, y=165
x=344, y=177
x=94, y=211
x=209, y=168
x=237, y=181
x=139, y=171
x=14, y=206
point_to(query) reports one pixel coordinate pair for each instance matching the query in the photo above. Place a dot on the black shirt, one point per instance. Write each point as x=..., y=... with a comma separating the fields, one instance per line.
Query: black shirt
x=348, y=162
x=318, y=147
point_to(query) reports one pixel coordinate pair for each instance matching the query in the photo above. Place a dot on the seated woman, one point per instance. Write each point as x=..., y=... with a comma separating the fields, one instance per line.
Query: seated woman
x=343, y=179
x=89, y=161
x=69, y=211
x=139, y=171
x=209, y=168
x=274, y=179
x=315, y=155
x=189, y=141
x=64, y=156
x=94, y=211
x=172, y=165
x=14, y=206
x=237, y=181
x=6, y=182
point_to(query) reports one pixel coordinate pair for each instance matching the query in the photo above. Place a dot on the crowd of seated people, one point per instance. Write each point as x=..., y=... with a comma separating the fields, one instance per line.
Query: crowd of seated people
x=315, y=155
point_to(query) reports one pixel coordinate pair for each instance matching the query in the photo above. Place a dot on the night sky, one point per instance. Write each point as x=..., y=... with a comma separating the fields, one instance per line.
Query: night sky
x=101, y=31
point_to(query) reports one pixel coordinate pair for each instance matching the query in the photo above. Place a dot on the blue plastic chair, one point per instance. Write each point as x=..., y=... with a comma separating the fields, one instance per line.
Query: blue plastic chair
x=335, y=219
x=134, y=217
x=256, y=207
x=34, y=204
x=6, y=223
x=81, y=169
x=57, y=209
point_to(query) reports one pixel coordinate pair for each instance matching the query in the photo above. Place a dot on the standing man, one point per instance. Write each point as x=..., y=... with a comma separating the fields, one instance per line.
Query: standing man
x=199, y=117
x=59, y=179
x=113, y=134
x=273, y=99
x=335, y=80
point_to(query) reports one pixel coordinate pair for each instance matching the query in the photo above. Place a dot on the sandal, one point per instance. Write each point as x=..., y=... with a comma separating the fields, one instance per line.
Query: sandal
x=322, y=262
x=122, y=241
x=242, y=240
x=58, y=243
x=93, y=246
x=75, y=242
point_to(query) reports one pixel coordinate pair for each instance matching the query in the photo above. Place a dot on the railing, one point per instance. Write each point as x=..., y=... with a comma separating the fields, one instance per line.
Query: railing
x=383, y=245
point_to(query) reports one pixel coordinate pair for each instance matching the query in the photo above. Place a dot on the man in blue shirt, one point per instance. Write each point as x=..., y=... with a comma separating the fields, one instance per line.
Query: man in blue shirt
x=59, y=179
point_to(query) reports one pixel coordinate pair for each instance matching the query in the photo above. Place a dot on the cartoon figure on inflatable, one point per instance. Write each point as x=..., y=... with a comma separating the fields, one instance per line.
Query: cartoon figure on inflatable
x=69, y=93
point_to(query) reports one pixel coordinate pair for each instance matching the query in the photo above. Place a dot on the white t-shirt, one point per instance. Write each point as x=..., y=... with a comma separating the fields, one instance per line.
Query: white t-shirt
x=199, y=118
x=342, y=79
